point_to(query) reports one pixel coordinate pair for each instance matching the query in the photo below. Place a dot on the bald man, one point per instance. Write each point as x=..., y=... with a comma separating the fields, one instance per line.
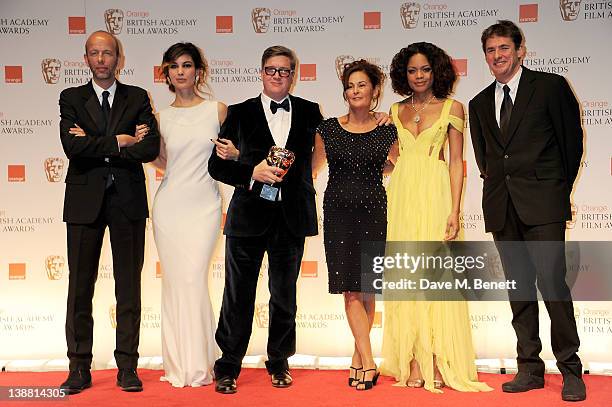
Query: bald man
x=107, y=131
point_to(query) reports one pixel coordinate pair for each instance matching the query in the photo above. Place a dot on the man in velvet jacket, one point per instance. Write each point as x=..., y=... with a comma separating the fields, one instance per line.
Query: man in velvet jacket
x=254, y=225
x=105, y=187
x=527, y=139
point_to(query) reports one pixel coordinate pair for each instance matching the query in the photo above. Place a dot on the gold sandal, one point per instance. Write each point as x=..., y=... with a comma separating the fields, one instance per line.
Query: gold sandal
x=415, y=383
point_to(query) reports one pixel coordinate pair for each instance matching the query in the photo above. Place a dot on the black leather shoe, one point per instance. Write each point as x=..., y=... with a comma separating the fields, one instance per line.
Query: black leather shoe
x=573, y=388
x=128, y=380
x=226, y=385
x=282, y=379
x=523, y=382
x=77, y=381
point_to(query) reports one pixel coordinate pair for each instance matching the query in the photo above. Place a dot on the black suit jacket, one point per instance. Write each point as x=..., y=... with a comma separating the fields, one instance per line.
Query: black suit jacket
x=538, y=162
x=248, y=214
x=88, y=169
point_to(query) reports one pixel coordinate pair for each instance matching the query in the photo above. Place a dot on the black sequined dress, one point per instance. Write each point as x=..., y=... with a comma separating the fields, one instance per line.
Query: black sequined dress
x=355, y=201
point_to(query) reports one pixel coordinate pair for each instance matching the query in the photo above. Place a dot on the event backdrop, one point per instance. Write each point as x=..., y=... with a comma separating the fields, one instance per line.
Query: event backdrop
x=42, y=46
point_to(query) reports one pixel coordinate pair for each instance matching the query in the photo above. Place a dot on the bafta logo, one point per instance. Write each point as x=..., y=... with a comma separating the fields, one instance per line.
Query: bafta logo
x=50, y=68
x=55, y=267
x=341, y=61
x=112, y=315
x=569, y=9
x=577, y=314
x=114, y=20
x=569, y=224
x=260, y=17
x=262, y=315
x=54, y=168
x=409, y=12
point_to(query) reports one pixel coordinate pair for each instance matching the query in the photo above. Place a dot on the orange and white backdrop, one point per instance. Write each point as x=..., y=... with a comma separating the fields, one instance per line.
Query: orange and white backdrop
x=42, y=48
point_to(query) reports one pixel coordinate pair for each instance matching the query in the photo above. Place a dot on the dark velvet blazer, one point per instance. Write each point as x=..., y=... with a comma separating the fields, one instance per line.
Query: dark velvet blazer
x=249, y=214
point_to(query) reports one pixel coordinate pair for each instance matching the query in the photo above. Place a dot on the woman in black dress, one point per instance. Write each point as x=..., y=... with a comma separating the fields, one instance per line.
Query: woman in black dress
x=355, y=203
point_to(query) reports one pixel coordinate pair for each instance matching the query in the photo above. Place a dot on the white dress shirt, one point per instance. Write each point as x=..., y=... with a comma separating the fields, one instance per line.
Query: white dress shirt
x=279, y=122
x=112, y=90
x=499, y=91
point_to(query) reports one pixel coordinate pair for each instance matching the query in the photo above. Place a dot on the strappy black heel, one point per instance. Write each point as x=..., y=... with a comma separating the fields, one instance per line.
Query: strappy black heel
x=368, y=384
x=354, y=381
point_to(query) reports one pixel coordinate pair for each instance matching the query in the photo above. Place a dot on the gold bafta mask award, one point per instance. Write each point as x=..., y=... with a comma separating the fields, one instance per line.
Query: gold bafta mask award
x=281, y=158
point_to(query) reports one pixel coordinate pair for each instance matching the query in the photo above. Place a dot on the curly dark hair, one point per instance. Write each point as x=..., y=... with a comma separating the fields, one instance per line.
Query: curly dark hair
x=374, y=73
x=503, y=28
x=444, y=75
x=186, y=48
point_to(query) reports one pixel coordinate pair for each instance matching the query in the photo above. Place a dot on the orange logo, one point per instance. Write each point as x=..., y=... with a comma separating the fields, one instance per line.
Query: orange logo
x=260, y=17
x=16, y=173
x=158, y=270
x=460, y=66
x=112, y=315
x=377, y=323
x=341, y=62
x=17, y=271
x=76, y=25
x=308, y=72
x=225, y=24
x=55, y=267
x=409, y=13
x=50, y=68
x=569, y=9
x=371, y=20
x=159, y=174
x=158, y=74
x=113, y=17
x=309, y=269
x=13, y=74
x=54, y=168
x=528, y=13
x=262, y=315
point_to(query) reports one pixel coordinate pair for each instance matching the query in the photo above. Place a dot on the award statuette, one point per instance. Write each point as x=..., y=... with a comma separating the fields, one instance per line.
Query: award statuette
x=281, y=158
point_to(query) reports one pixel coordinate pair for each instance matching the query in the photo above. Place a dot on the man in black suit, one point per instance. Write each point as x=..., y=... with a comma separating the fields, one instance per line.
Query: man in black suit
x=527, y=140
x=277, y=224
x=105, y=187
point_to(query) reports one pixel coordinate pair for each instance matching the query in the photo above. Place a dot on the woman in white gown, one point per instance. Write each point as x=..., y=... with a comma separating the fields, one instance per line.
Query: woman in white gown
x=186, y=218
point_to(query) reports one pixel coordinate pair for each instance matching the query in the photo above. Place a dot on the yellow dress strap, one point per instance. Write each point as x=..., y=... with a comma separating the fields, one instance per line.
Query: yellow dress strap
x=456, y=122
x=395, y=113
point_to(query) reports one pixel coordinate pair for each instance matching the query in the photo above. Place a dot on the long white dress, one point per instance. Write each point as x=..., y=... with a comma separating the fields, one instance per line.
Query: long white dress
x=186, y=226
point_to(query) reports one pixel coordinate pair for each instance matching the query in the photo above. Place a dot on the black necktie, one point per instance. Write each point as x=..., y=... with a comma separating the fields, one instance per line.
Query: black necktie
x=505, y=113
x=283, y=105
x=105, y=109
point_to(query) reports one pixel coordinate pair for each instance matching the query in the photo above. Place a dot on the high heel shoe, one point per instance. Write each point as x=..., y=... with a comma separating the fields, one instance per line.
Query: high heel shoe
x=438, y=384
x=368, y=384
x=415, y=383
x=354, y=381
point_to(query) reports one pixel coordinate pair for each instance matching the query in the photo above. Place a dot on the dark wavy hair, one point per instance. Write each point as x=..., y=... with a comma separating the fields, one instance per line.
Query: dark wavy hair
x=374, y=73
x=444, y=75
x=186, y=48
x=503, y=28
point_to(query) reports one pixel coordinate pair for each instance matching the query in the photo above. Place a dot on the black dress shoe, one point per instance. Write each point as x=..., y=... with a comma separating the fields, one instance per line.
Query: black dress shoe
x=226, y=385
x=282, y=379
x=573, y=388
x=523, y=382
x=77, y=381
x=128, y=380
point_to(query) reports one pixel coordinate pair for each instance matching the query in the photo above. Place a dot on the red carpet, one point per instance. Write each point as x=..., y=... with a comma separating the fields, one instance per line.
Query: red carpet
x=311, y=388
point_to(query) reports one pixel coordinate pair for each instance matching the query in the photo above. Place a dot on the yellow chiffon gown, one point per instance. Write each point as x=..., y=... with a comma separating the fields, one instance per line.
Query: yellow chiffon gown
x=419, y=202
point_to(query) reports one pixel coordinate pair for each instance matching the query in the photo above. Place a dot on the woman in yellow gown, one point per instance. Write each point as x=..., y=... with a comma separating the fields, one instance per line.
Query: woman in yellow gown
x=427, y=343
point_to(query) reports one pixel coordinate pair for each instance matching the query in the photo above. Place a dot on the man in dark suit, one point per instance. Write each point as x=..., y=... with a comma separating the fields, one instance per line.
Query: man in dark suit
x=527, y=140
x=277, y=224
x=105, y=187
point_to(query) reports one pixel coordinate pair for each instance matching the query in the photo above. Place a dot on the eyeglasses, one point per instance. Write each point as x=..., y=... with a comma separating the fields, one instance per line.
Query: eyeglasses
x=282, y=72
